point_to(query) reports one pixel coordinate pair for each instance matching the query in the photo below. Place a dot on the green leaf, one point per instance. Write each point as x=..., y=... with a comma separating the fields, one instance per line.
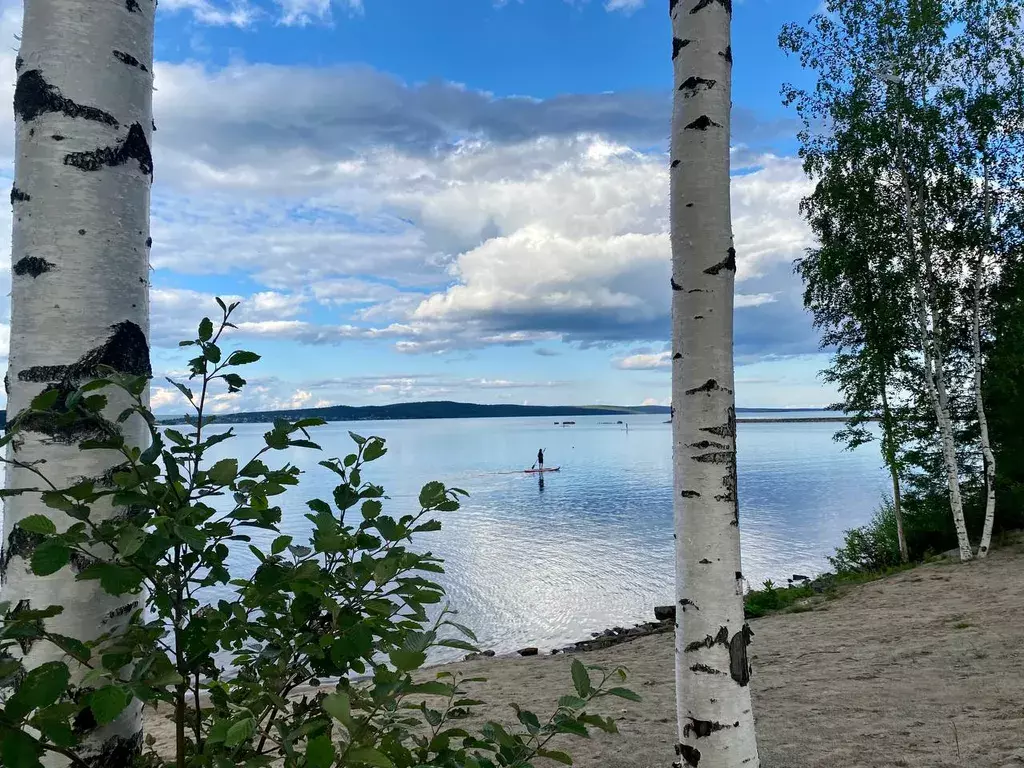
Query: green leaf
x=369, y=756
x=49, y=557
x=406, y=661
x=57, y=500
x=558, y=757
x=241, y=357
x=57, y=731
x=184, y=390
x=572, y=702
x=44, y=401
x=73, y=647
x=625, y=693
x=129, y=540
x=581, y=679
x=37, y=524
x=19, y=749
x=223, y=472
x=280, y=544
x=239, y=732
x=115, y=579
x=431, y=494
x=206, y=329
x=42, y=686
x=319, y=752
x=108, y=703
x=337, y=706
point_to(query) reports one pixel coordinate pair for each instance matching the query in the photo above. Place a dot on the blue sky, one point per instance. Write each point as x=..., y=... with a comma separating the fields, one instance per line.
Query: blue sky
x=455, y=199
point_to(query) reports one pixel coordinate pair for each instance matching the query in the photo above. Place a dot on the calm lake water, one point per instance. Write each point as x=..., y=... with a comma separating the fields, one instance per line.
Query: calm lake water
x=545, y=562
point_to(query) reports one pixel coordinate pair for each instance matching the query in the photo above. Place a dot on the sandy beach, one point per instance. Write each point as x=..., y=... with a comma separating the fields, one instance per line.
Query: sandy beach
x=922, y=669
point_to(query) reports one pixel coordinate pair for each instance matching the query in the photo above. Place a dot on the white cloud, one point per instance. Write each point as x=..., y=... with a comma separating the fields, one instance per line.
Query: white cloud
x=236, y=13
x=646, y=361
x=627, y=6
x=303, y=12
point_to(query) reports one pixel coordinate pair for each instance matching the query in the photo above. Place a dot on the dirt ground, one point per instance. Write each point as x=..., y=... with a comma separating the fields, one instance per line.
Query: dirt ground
x=924, y=669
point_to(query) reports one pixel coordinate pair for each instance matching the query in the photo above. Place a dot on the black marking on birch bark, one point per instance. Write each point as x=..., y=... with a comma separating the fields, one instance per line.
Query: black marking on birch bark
x=677, y=356
x=693, y=83
x=696, y=290
x=728, y=263
x=131, y=61
x=57, y=137
x=704, y=561
x=739, y=664
x=690, y=495
x=722, y=638
x=33, y=266
x=715, y=457
x=685, y=603
x=675, y=286
x=678, y=45
x=982, y=550
x=21, y=543
x=711, y=385
x=726, y=430
x=674, y=163
x=81, y=231
x=33, y=96
x=84, y=721
x=153, y=123
x=126, y=351
x=689, y=205
x=18, y=196
x=704, y=444
x=701, y=729
x=18, y=64
x=726, y=4
x=704, y=668
x=698, y=317
x=702, y=123
x=132, y=6
x=134, y=147
x=7, y=383
x=116, y=751
x=691, y=755
x=671, y=6
x=124, y=610
x=149, y=242
x=726, y=54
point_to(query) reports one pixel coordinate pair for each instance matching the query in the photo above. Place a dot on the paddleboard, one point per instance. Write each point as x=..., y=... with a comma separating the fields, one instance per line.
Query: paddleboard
x=535, y=471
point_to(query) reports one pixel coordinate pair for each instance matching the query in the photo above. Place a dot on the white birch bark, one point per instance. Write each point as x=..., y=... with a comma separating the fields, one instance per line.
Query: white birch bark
x=986, y=446
x=934, y=379
x=715, y=720
x=80, y=294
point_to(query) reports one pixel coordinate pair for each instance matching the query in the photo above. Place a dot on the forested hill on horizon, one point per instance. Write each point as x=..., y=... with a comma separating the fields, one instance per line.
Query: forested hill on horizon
x=438, y=409
x=441, y=409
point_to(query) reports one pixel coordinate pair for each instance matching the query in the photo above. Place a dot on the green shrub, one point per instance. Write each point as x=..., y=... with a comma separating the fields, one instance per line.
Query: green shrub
x=759, y=602
x=871, y=547
x=348, y=605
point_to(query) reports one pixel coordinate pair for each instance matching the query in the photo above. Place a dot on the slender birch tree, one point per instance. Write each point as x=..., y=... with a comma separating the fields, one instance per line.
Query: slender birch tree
x=80, y=295
x=715, y=719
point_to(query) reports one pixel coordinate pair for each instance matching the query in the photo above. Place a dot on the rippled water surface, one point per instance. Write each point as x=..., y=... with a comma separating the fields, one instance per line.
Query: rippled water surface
x=544, y=562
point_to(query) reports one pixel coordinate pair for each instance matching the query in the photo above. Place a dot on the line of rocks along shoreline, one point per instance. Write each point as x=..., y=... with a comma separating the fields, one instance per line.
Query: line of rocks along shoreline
x=664, y=621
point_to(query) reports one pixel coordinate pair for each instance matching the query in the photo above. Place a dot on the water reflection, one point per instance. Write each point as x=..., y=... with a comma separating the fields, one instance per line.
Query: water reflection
x=589, y=546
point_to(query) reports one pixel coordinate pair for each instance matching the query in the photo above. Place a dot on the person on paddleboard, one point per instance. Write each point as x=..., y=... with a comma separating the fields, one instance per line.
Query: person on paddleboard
x=540, y=459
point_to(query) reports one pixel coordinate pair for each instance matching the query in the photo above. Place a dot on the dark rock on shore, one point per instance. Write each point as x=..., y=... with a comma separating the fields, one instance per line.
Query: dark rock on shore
x=665, y=613
x=529, y=652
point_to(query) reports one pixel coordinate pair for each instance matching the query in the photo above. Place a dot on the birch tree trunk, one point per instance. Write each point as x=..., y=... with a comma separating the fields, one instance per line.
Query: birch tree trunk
x=934, y=379
x=80, y=294
x=986, y=446
x=889, y=443
x=715, y=720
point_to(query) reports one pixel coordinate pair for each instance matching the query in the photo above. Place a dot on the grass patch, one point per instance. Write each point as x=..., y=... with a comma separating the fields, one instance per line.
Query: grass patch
x=962, y=625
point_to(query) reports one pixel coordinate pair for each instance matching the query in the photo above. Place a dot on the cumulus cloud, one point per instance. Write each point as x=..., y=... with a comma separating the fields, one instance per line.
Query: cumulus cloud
x=234, y=13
